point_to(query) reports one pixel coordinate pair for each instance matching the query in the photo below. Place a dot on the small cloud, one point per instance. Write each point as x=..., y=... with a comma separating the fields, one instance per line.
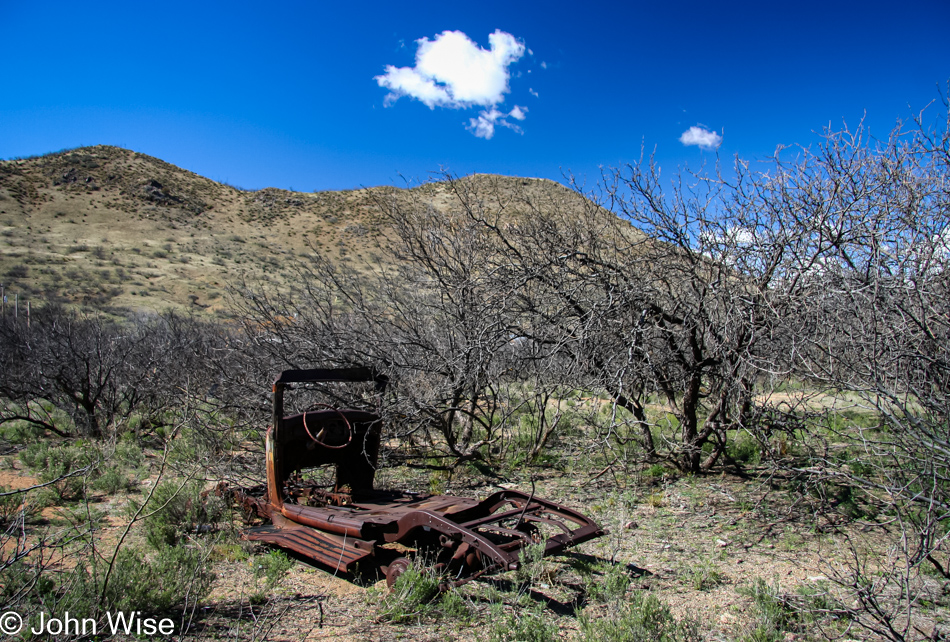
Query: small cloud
x=544, y=65
x=484, y=125
x=452, y=71
x=701, y=137
x=533, y=92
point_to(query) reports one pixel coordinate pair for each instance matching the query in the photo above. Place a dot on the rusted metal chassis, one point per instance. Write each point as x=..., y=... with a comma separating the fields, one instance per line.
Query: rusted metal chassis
x=467, y=537
x=340, y=541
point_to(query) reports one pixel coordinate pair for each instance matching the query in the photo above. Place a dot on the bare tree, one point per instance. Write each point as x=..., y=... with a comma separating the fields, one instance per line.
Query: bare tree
x=99, y=372
x=873, y=327
x=427, y=319
x=673, y=297
x=511, y=280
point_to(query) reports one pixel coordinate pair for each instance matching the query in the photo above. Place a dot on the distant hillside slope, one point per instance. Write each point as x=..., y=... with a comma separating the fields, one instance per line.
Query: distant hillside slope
x=111, y=227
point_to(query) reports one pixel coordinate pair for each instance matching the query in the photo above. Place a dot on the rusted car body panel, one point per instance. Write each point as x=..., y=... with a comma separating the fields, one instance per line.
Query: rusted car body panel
x=354, y=523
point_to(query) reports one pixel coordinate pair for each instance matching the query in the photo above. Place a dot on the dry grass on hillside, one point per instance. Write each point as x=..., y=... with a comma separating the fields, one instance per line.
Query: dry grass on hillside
x=106, y=226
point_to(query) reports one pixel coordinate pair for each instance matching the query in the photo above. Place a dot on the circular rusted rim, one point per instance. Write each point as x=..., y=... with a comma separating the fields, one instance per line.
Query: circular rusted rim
x=396, y=568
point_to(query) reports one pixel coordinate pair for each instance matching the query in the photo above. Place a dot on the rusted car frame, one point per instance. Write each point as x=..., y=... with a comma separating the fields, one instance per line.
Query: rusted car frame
x=353, y=523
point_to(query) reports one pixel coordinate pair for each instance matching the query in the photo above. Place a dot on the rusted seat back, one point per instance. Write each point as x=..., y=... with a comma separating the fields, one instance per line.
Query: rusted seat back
x=345, y=438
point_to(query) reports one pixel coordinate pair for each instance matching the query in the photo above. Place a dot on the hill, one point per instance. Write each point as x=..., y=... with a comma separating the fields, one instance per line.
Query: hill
x=110, y=227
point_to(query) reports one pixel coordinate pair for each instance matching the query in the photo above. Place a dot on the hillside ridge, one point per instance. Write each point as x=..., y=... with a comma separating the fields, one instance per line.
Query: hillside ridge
x=112, y=227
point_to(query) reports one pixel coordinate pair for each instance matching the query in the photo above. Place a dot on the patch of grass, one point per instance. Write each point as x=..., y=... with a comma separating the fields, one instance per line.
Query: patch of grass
x=53, y=462
x=778, y=614
x=848, y=419
x=745, y=449
x=657, y=471
x=526, y=624
x=642, y=618
x=705, y=575
x=439, y=481
x=10, y=506
x=156, y=584
x=531, y=564
x=179, y=508
x=20, y=432
x=792, y=541
x=452, y=606
x=111, y=481
x=412, y=595
x=268, y=571
x=605, y=582
x=272, y=567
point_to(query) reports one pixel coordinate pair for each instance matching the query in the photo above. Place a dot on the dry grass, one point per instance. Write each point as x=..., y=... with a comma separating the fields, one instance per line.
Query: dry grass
x=700, y=550
x=111, y=227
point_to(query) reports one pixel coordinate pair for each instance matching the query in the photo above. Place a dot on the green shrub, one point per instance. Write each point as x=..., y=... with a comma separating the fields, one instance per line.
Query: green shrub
x=151, y=584
x=178, y=509
x=412, y=595
x=453, y=606
x=774, y=616
x=19, y=580
x=272, y=567
x=527, y=624
x=192, y=444
x=10, y=505
x=657, y=471
x=111, y=481
x=128, y=452
x=643, y=618
x=531, y=564
x=20, y=432
x=52, y=461
x=611, y=585
x=779, y=613
x=745, y=449
x=169, y=578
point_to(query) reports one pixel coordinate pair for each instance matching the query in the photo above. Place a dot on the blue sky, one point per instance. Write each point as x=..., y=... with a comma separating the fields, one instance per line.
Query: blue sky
x=288, y=94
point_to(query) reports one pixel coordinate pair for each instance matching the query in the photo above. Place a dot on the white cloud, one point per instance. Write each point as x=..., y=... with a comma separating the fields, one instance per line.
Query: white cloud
x=484, y=125
x=405, y=81
x=452, y=71
x=701, y=137
x=533, y=92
